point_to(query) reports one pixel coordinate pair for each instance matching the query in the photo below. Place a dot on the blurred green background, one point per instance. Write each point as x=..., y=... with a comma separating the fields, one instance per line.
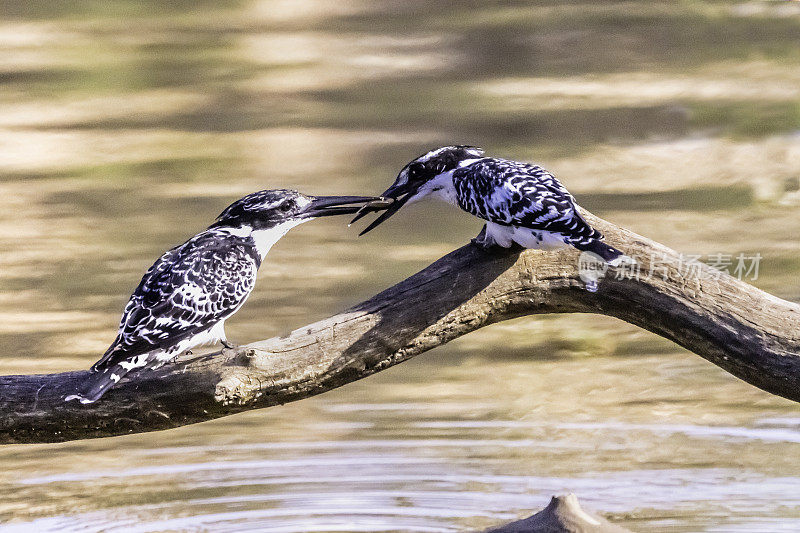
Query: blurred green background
x=125, y=127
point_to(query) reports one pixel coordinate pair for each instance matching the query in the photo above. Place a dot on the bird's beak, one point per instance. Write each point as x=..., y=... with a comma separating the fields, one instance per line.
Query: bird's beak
x=323, y=206
x=400, y=194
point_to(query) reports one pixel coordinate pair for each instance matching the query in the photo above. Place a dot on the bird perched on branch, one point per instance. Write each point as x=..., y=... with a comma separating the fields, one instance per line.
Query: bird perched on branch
x=185, y=297
x=521, y=203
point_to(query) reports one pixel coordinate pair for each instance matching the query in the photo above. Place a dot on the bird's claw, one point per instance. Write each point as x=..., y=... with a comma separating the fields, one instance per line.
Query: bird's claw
x=228, y=347
x=485, y=243
x=488, y=247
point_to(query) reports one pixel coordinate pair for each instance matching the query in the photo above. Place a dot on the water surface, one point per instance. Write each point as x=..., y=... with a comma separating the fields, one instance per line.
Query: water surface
x=125, y=127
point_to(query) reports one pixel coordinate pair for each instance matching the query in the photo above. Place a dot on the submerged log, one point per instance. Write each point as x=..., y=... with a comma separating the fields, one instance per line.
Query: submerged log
x=745, y=331
x=562, y=515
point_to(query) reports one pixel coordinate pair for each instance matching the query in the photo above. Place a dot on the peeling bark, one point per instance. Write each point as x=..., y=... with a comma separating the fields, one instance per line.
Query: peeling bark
x=747, y=332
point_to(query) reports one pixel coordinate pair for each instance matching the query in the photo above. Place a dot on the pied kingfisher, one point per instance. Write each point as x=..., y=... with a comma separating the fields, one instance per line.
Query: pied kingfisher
x=520, y=203
x=185, y=297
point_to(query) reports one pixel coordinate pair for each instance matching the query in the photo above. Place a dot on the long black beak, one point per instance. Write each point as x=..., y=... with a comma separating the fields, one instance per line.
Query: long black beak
x=399, y=193
x=323, y=206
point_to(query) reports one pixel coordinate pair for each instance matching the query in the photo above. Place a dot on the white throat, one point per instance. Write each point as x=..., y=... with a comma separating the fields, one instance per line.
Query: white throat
x=440, y=187
x=265, y=239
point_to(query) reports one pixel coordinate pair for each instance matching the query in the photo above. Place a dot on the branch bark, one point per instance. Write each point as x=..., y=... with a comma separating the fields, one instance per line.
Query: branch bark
x=745, y=331
x=562, y=515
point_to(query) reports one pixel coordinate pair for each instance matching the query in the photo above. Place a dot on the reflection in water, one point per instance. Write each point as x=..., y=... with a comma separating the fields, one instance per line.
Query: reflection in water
x=457, y=452
x=127, y=126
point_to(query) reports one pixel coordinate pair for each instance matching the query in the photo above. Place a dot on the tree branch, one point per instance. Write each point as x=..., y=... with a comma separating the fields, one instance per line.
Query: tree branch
x=747, y=332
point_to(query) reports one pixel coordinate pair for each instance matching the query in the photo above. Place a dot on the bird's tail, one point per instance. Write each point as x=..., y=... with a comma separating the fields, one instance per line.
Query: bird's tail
x=610, y=255
x=98, y=383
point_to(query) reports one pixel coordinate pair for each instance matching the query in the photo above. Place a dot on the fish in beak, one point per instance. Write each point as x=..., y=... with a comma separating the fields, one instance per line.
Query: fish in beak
x=397, y=195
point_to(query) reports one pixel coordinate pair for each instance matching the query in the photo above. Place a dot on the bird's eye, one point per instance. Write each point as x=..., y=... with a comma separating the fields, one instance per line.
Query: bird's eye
x=285, y=207
x=415, y=171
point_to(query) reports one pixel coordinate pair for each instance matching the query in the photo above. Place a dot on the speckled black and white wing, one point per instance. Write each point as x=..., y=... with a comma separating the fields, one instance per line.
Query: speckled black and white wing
x=516, y=194
x=187, y=291
x=181, y=302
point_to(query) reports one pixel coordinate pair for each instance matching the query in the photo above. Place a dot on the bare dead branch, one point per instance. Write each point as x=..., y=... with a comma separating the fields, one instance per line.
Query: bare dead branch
x=747, y=332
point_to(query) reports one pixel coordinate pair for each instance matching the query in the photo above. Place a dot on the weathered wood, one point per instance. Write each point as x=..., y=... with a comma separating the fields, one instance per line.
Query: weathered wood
x=744, y=330
x=562, y=515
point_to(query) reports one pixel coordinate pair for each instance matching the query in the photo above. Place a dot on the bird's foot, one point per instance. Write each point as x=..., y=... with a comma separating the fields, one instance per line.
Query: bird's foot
x=486, y=243
x=228, y=347
x=491, y=246
x=177, y=356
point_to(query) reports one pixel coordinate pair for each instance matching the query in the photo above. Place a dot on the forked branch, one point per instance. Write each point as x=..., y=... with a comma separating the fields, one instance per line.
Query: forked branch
x=747, y=332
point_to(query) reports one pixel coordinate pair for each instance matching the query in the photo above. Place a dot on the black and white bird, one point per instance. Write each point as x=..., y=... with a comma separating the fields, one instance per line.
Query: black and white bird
x=184, y=299
x=521, y=203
